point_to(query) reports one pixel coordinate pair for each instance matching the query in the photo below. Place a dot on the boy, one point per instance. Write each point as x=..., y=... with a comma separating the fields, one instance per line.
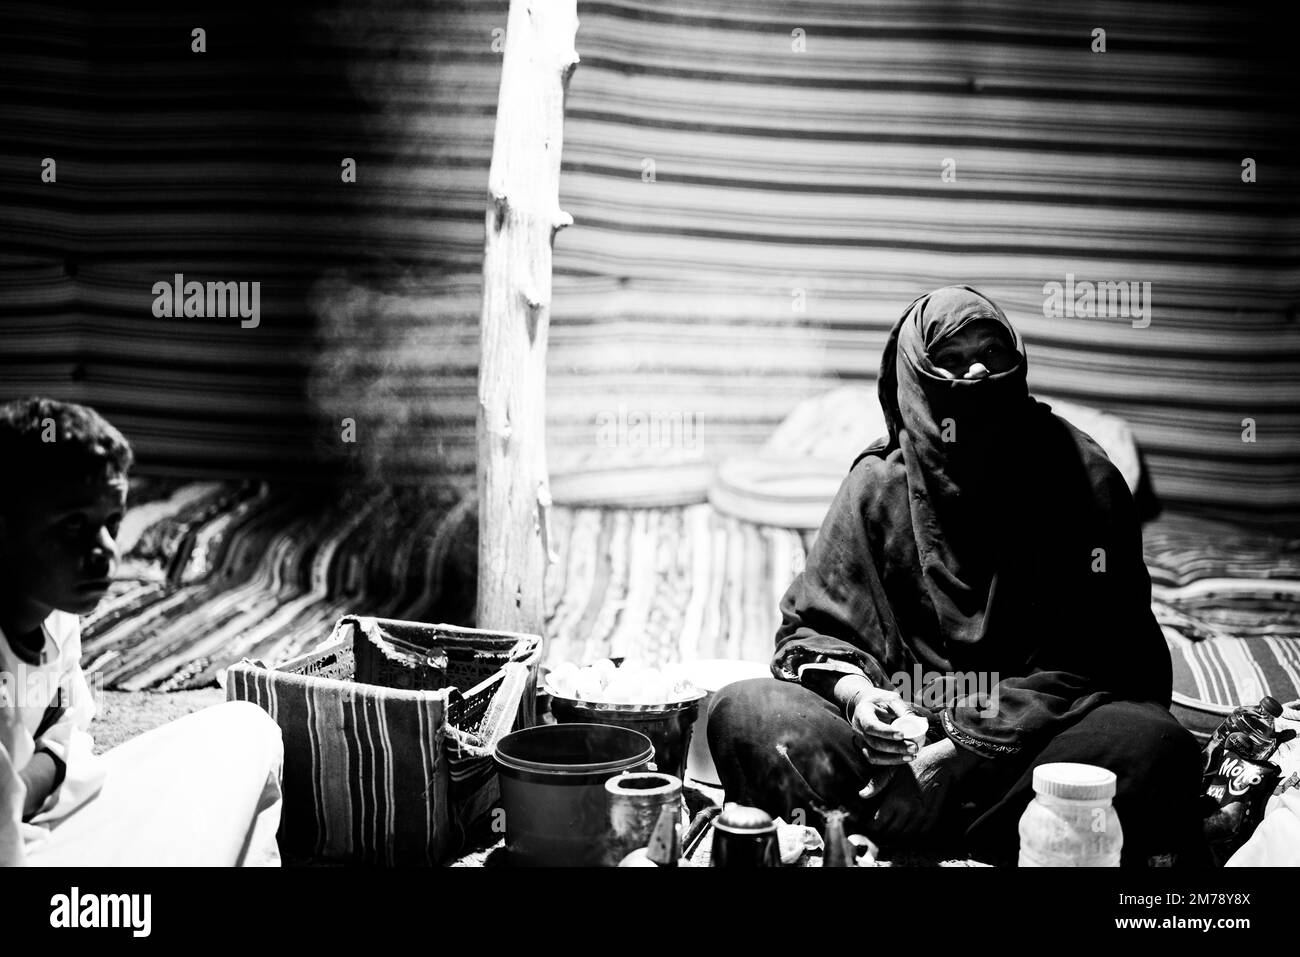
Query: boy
x=203, y=790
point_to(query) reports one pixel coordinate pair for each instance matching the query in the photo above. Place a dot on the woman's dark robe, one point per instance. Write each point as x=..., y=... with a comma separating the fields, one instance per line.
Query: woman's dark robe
x=985, y=535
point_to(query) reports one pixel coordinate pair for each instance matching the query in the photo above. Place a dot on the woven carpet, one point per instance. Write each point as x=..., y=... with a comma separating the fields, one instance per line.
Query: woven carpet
x=215, y=571
x=1228, y=600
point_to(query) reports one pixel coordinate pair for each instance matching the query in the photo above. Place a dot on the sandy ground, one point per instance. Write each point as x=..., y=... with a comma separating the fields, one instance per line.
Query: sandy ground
x=124, y=714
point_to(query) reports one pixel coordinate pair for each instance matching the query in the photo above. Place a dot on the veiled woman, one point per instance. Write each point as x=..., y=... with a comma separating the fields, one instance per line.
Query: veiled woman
x=984, y=538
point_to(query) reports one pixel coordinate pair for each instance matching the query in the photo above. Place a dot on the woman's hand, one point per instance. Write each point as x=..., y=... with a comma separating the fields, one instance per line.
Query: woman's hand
x=914, y=797
x=871, y=710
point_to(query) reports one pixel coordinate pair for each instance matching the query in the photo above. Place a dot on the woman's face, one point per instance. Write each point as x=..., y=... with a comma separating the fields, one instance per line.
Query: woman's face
x=979, y=349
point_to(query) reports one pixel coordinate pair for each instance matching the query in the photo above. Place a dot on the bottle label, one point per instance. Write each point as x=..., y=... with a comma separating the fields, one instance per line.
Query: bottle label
x=1241, y=775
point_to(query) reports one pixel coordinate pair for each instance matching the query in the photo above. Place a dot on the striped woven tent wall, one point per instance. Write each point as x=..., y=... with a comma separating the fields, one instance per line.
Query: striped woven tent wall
x=796, y=205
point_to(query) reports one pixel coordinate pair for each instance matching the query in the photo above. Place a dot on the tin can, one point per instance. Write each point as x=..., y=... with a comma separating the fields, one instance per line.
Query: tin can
x=635, y=801
x=744, y=837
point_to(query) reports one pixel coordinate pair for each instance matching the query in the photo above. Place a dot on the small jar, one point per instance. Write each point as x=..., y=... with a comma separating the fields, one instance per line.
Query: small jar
x=1071, y=822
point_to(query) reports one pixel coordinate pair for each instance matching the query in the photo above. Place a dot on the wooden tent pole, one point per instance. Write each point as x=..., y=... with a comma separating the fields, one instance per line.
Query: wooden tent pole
x=522, y=218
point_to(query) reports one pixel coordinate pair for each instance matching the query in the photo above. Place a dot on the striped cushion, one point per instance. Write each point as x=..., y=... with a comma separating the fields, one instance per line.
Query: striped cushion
x=346, y=747
x=1228, y=600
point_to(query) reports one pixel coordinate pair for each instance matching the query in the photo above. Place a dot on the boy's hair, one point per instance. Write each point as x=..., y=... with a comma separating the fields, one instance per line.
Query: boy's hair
x=43, y=441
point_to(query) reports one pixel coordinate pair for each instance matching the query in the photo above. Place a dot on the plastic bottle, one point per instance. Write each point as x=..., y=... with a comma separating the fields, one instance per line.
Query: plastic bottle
x=1238, y=792
x=1070, y=822
x=1255, y=722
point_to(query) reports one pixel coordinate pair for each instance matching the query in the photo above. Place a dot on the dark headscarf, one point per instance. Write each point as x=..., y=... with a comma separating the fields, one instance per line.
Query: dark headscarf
x=983, y=535
x=960, y=440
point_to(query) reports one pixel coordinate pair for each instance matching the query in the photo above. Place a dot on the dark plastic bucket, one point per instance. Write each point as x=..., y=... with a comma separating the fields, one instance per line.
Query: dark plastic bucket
x=553, y=789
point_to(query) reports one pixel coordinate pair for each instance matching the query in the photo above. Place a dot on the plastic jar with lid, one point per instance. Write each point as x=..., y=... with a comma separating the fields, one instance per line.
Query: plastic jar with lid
x=1071, y=822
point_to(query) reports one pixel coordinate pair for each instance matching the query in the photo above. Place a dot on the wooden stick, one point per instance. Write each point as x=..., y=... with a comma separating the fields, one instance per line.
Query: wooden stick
x=522, y=219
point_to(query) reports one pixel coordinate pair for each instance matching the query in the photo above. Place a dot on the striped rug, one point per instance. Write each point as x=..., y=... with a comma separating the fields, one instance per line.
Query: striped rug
x=1228, y=600
x=214, y=572
x=219, y=571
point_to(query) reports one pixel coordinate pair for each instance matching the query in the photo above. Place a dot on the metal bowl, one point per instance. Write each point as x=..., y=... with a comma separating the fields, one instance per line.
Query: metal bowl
x=668, y=724
x=583, y=704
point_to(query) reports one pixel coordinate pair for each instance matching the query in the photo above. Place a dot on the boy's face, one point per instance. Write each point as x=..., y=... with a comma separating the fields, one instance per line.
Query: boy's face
x=61, y=551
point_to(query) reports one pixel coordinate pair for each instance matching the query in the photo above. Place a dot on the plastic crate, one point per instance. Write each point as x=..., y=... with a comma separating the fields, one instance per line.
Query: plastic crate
x=384, y=775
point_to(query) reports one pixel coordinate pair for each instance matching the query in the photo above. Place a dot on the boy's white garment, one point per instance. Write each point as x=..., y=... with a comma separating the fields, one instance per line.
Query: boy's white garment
x=201, y=790
x=52, y=692
x=11, y=806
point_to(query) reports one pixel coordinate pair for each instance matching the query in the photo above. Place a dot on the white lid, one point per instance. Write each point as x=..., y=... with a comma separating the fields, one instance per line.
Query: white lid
x=1078, y=782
